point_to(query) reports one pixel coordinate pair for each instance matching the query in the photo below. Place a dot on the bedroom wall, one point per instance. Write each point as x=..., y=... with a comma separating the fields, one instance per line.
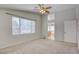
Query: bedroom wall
x=77, y=17
x=45, y=20
x=44, y=26
x=60, y=17
x=6, y=37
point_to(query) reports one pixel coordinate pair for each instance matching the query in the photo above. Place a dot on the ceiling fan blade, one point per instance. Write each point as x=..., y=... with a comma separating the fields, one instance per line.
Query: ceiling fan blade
x=48, y=7
x=39, y=5
x=47, y=12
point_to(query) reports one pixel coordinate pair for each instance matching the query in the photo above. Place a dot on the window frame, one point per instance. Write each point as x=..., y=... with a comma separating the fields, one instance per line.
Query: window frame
x=20, y=25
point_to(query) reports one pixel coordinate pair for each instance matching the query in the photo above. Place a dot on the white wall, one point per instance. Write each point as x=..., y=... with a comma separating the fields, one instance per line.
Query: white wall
x=6, y=37
x=44, y=26
x=60, y=17
x=77, y=17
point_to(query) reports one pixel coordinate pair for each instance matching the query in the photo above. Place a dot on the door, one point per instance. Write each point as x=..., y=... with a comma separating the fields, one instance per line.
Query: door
x=70, y=31
x=51, y=30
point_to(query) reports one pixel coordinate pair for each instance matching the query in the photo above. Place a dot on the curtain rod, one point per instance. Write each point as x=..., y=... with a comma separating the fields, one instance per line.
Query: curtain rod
x=19, y=16
x=14, y=15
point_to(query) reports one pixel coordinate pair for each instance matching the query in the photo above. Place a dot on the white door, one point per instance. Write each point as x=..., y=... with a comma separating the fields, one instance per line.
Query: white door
x=70, y=31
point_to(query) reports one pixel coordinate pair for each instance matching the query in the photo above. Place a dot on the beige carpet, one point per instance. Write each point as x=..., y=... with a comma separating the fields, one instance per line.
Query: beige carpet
x=42, y=46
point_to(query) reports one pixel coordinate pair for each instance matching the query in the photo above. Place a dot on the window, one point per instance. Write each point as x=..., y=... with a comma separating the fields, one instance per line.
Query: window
x=15, y=25
x=22, y=26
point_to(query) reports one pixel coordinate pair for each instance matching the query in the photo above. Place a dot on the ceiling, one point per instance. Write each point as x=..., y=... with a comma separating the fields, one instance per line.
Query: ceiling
x=31, y=7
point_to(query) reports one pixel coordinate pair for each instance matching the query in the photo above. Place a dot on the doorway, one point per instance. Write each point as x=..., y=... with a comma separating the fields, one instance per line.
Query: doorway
x=51, y=31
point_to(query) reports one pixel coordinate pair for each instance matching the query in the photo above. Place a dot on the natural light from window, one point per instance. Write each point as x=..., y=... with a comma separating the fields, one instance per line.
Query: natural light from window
x=22, y=25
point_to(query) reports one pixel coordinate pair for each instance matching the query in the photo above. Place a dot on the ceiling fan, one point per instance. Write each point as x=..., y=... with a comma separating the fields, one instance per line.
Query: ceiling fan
x=43, y=9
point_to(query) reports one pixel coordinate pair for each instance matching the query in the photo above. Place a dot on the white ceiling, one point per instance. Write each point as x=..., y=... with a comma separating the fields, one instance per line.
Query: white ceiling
x=31, y=7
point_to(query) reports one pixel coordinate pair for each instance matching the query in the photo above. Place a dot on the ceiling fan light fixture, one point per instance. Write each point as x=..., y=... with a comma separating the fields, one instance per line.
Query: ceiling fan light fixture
x=43, y=11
